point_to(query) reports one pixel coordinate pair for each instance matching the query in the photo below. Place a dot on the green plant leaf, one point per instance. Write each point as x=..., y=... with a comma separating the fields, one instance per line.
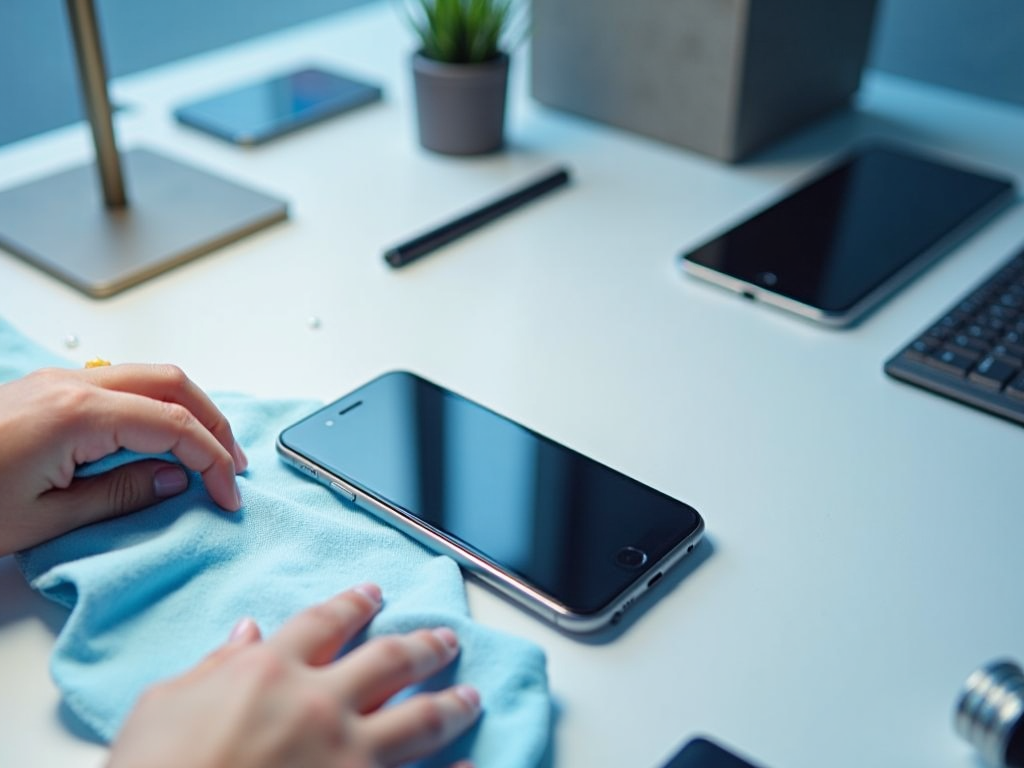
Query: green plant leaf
x=462, y=31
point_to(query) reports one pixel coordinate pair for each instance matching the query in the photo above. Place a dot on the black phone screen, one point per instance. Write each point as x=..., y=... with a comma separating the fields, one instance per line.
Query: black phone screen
x=569, y=526
x=703, y=753
x=254, y=113
x=844, y=234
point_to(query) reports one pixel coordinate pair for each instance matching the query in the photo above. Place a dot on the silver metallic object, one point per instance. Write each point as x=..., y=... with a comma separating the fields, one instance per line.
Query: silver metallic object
x=990, y=713
x=93, y=74
x=148, y=213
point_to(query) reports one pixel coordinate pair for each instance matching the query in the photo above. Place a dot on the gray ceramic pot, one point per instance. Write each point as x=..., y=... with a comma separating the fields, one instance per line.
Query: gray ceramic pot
x=461, y=107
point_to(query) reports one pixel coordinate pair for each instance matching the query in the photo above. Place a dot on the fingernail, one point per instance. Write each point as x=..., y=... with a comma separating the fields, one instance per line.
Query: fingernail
x=447, y=637
x=241, y=460
x=468, y=694
x=241, y=629
x=371, y=592
x=169, y=481
x=238, y=498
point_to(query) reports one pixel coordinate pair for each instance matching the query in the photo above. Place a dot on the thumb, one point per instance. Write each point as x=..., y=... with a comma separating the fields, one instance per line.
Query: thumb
x=120, y=491
x=91, y=499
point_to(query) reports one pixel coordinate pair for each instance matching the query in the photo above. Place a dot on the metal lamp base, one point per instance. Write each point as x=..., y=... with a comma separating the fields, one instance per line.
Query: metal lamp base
x=175, y=214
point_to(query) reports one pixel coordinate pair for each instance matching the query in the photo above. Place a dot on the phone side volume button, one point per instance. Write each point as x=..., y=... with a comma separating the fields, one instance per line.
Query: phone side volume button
x=345, y=492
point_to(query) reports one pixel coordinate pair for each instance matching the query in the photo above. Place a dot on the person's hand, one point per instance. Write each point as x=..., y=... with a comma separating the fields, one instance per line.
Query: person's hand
x=53, y=420
x=285, y=701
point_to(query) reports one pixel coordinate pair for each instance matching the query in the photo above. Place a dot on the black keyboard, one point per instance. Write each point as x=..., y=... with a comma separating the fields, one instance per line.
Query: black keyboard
x=974, y=353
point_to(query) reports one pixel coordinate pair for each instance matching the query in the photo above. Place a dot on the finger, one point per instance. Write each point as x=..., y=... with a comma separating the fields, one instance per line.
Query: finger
x=145, y=425
x=422, y=724
x=169, y=383
x=112, y=494
x=317, y=634
x=376, y=671
x=245, y=632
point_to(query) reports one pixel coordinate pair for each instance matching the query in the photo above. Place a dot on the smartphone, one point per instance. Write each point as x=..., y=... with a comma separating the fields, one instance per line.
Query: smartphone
x=260, y=111
x=837, y=247
x=568, y=538
x=704, y=753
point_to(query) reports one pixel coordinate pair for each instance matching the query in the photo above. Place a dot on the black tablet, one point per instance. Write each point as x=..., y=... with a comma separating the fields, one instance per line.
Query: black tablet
x=839, y=245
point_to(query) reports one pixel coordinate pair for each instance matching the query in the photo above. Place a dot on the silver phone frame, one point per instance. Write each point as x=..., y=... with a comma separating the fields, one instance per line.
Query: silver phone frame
x=873, y=298
x=491, y=573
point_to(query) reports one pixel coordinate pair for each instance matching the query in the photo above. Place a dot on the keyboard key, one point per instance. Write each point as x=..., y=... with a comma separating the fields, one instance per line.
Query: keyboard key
x=980, y=332
x=968, y=307
x=1016, y=388
x=1015, y=349
x=922, y=348
x=938, y=333
x=1006, y=314
x=974, y=355
x=953, y=320
x=999, y=352
x=993, y=374
x=967, y=342
x=949, y=361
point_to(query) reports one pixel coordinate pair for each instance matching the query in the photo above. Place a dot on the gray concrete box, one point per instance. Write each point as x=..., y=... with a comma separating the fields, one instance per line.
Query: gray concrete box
x=719, y=76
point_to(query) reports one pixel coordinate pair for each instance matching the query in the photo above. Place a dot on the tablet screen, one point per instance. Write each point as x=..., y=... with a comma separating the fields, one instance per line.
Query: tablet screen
x=844, y=234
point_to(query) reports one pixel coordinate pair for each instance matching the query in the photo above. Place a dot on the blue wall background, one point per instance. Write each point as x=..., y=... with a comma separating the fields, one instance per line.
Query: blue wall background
x=38, y=83
x=973, y=45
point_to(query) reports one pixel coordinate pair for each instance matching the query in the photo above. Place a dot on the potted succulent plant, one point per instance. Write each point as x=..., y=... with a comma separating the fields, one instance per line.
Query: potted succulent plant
x=461, y=73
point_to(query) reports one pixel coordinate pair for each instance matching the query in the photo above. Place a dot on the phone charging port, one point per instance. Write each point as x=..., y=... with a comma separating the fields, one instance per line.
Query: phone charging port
x=654, y=579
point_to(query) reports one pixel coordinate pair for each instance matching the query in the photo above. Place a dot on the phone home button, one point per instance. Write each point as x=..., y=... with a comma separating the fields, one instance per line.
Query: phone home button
x=631, y=557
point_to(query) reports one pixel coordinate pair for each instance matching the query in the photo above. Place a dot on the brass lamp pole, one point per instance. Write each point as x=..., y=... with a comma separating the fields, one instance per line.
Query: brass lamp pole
x=148, y=214
x=93, y=73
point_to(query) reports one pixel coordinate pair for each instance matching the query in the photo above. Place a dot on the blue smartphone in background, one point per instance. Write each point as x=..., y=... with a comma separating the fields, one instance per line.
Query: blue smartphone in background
x=255, y=113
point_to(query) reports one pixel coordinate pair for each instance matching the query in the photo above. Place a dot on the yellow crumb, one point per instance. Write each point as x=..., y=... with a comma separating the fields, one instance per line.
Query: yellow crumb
x=96, y=362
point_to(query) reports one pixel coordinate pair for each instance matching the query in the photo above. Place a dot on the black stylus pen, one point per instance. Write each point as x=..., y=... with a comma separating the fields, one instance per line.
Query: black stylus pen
x=402, y=254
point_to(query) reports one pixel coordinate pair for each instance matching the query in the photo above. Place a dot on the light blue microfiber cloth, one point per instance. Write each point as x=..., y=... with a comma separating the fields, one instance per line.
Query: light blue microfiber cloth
x=150, y=594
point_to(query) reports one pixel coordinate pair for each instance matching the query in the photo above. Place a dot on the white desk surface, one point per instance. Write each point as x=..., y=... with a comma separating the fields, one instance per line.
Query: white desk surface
x=864, y=537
